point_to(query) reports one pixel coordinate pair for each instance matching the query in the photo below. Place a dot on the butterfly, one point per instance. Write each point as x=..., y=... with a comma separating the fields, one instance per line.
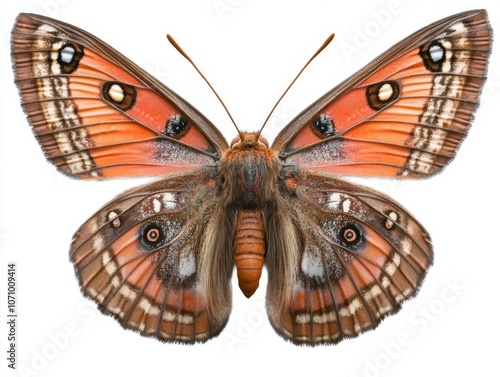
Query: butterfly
x=340, y=257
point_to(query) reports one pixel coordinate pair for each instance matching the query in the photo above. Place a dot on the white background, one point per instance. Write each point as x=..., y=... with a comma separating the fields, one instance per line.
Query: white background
x=250, y=50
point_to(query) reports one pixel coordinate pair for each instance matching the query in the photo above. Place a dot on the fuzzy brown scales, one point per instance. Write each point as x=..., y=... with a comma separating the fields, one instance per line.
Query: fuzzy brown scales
x=249, y=172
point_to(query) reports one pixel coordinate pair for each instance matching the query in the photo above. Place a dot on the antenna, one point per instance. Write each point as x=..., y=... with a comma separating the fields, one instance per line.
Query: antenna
x=186, y=56
x=323, y=46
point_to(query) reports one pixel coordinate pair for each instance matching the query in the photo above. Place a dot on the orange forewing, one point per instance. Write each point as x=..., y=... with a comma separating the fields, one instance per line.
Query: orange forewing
x=151, y=110
x=96, y=114
x=387, y=140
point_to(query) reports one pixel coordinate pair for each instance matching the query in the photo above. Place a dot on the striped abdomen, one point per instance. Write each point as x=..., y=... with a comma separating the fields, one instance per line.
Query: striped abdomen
x=249, y=247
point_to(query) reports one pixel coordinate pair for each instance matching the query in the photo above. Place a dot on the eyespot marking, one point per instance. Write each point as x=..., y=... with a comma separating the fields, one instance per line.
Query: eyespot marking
x=433, y=55
x=116, y=93
x=382, y=94
x=176, y=127
x=436, y=53
x=113, y=217
x=351, y=236
x=323, y=126
x=119, y=94
x=385, y=92
x=69, y=57
x=391, y=219
x=152, y=235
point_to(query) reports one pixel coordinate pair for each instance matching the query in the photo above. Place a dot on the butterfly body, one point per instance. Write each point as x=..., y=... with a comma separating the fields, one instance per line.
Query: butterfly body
x=340, y=257
x=249, y=172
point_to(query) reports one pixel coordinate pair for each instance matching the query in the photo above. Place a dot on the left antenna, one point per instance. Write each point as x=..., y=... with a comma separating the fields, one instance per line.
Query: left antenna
x=186, y=56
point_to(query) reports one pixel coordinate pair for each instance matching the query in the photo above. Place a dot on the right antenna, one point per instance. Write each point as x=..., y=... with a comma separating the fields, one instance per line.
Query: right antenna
x=323, y=46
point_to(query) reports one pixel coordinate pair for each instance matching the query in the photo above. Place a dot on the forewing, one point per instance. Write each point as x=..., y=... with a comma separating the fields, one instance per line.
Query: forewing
x=139, y=259
x=360, y=256
x=404, y=114
x=98, y=115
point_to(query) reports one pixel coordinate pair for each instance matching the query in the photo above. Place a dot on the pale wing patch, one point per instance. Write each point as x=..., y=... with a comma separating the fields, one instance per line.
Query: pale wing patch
x=59, y=110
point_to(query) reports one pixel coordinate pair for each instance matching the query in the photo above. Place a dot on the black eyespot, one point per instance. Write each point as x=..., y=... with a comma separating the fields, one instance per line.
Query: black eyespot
x=152, y=235
x=69, y=56
x=176, y=126
x=381, y=94
x=324, y=126
x=119, y=94
x=351, y=236
x=434, y=55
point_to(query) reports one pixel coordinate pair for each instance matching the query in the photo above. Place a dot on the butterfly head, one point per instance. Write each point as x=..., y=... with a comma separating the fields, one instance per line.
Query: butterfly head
x=249, y=140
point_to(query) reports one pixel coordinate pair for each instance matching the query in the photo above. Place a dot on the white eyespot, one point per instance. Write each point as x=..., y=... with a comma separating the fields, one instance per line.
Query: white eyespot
x=67, y=54
x=436, y=53
x=385, y=92
x=116, y=93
